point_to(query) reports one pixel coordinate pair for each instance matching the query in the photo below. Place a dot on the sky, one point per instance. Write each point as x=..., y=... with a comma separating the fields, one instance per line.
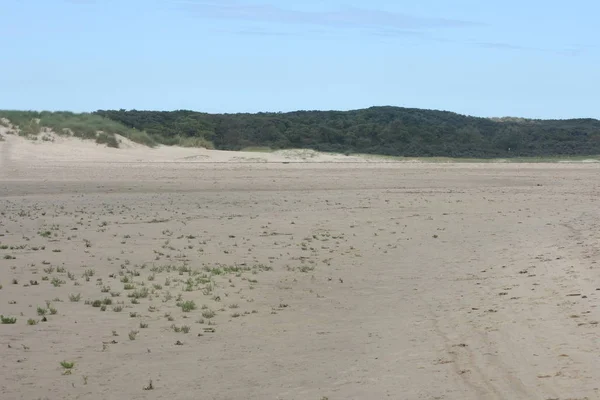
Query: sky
x=526, y=58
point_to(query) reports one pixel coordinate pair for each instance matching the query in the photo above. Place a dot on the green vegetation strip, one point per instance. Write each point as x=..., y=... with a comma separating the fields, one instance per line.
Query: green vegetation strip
x=437, y=136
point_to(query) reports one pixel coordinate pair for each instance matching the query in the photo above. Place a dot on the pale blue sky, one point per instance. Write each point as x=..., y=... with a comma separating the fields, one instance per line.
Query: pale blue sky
x=529, y=58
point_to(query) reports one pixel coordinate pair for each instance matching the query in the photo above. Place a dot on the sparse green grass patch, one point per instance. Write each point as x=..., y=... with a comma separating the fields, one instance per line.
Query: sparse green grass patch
x=187, y=306
x=139, y=294
x=183, y=328
x=56, y=282
x=7, y=320
x=68, y=366
x=75, y=297
x=82, y=125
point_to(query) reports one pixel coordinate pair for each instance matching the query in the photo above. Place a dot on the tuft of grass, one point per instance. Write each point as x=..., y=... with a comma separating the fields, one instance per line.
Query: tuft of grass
x=183, y=328
x=7, y=320
x=56, y=282
x=143, y=325
x=133, y=335
x=208, y=314
x=41, y=311
x=89, y=273
x=187, y=306
x=67, y=364
x=118, y=308
x=108, y=139
x=31, y=321
x=139, y=294
x=75, y=297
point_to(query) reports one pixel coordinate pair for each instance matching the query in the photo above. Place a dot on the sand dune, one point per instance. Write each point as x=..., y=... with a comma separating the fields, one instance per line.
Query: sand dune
x=52, y=147
x=175, y=273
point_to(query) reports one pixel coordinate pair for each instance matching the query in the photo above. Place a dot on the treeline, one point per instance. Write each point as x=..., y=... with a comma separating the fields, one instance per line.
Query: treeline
x=378, y=130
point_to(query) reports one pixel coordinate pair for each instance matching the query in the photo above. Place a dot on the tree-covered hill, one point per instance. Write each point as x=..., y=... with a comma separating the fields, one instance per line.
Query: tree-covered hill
x=377, y=130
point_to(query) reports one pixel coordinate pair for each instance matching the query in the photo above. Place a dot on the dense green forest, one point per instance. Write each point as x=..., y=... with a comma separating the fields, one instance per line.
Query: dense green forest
x=378, y=130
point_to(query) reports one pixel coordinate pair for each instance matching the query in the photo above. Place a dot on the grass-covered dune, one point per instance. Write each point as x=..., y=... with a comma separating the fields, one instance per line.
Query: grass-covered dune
x=81, y=125
x=87, y=126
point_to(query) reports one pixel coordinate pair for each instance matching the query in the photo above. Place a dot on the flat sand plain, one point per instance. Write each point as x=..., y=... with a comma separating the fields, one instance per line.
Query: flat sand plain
x=309, y=280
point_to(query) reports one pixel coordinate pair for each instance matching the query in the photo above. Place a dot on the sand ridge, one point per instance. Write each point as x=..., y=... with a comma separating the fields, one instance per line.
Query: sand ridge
x=49, y=146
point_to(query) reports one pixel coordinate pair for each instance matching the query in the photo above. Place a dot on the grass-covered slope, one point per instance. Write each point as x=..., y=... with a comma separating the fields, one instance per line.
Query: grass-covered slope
x=82, y=125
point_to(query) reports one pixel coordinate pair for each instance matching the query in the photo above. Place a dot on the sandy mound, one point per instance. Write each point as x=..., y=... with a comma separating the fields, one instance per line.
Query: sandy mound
x=48, y=146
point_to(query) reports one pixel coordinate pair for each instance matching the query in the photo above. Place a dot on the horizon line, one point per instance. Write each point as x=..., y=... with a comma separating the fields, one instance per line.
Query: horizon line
x=304, y=110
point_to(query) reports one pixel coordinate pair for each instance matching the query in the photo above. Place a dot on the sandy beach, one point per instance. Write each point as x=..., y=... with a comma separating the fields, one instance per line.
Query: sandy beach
x=179, y=273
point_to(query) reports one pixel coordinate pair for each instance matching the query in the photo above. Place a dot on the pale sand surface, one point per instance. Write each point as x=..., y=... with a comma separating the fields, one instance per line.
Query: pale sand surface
x=357, y=280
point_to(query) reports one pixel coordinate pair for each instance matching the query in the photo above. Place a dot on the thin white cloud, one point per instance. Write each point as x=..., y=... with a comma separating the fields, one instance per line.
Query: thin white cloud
x=342, y=18
x=379, y=23
x=509, y=46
